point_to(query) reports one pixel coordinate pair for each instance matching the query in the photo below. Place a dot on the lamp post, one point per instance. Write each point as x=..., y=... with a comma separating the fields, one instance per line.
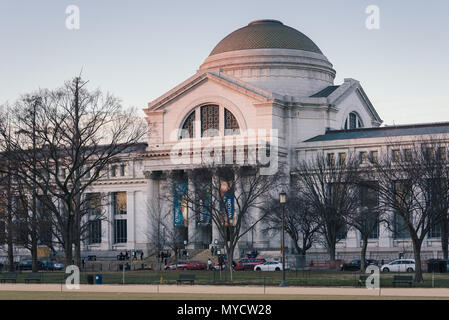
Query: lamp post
x=282, y=200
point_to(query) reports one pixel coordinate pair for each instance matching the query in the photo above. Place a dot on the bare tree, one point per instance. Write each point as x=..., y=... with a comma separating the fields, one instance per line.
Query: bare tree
x=367, y=217
x=76, y=134
x=161, y=233
x=408, y=181
x=329, y=188
x=301, y=222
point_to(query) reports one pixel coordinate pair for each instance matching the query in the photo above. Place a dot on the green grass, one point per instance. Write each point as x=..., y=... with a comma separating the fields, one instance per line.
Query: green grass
x=313, y=278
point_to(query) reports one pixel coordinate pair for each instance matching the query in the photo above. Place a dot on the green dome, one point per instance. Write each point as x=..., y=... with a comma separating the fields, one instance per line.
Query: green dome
x=265, y=34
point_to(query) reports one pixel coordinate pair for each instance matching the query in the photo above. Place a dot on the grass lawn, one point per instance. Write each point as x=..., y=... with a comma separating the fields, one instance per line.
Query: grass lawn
x=313, y=278
x=26, y=295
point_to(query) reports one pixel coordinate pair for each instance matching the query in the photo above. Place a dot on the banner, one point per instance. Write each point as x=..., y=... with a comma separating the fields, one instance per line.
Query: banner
x=180, y=205
x=205, y=202
x=227, y=203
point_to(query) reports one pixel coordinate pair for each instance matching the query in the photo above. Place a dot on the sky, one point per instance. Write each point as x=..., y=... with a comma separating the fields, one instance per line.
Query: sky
x=140, y=49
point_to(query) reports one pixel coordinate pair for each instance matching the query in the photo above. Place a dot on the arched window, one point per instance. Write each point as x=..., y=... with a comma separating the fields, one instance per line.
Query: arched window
x=231, y=125
x=353, y=121
x=188, y=127
x=210, y=120
x=210, y=116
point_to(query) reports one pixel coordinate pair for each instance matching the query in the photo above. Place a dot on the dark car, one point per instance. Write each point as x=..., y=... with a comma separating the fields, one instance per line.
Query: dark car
x=51, y=264
x=354, y=265
x=27, y=265
x=248, y=264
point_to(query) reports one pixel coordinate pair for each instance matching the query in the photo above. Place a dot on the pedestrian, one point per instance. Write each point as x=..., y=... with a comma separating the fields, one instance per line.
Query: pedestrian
x=212, y=250
x=141, y=255
x=187, y=255
x=209, y=264
x=134, y=255
x=165, y=261
x=126, y=255
x=82, y=263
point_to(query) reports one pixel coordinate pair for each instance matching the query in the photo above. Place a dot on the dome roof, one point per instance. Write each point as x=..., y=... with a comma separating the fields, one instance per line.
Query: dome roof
x=265, y=34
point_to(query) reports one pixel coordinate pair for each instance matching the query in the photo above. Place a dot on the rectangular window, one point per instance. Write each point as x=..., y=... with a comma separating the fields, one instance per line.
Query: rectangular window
x=395, y=155
x=400, y=229
x=374, y=156
x=95, y=231
x=330, y=159
x=363, y=157
x=408, y=155
x=122, y=170
x=120, y=232
x=435, y=230
x=119, y=202
x=369, y=202
x=342, y=158
x=93, y=203
x=114, y=171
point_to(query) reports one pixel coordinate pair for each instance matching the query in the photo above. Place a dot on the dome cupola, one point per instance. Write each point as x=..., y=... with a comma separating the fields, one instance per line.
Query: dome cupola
x=273, y=57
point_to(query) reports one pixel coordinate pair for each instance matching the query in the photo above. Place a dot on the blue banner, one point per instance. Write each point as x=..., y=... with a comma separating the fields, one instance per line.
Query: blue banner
x=227, y=203
x=180, y=204
x=205, y=216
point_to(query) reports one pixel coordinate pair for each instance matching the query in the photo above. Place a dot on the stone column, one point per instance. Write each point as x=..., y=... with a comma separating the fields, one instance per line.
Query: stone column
x=106, y=224
x=152, y=205
x=193, y=236
x=131, y=219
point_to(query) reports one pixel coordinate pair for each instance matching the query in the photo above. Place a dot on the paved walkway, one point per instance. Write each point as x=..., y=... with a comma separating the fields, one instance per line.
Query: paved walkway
x=203, y=289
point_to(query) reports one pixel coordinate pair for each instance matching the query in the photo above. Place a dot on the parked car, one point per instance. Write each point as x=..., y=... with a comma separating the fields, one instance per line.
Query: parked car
x=248, y=264
x=27, y=265
x=355, y=265
x=399, y=265
x=271, y=266
x=181, y=265
x=199, y=265
x=51, y=264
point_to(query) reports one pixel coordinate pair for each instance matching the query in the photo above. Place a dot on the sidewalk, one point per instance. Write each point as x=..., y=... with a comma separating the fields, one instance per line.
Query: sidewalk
x=200, y=289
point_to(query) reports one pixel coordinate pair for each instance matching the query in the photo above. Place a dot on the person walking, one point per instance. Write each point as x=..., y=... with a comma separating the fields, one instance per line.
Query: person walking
x=141, y=255
x=209, y=264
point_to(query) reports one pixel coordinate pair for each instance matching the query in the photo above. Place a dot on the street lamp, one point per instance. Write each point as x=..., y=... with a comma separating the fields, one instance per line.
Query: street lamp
x=283, y=200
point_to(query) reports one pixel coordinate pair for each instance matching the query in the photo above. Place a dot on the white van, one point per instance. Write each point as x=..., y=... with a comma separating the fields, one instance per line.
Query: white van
x=400, y=265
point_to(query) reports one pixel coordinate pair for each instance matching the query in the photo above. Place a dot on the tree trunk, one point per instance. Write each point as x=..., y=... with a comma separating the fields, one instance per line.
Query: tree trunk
x=33, y=249
x=363, y=254
x=331, y=252
x=10, y=239
x=444, y=237
x=230, y=253
x=417, y=254
x=10, y=249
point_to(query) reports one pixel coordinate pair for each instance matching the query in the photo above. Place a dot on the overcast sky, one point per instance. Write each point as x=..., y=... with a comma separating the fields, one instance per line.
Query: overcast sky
x=138, y=50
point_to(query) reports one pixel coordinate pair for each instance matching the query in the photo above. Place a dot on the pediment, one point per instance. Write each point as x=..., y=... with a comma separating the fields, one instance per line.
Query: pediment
x=199, y=80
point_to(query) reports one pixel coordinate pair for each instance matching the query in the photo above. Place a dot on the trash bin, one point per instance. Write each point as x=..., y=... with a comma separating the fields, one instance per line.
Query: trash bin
x=98, y=278
x=90, y=279
x=436, y=265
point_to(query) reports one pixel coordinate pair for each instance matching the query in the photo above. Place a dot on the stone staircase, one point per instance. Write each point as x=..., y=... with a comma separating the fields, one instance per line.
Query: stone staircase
x=203, y=255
